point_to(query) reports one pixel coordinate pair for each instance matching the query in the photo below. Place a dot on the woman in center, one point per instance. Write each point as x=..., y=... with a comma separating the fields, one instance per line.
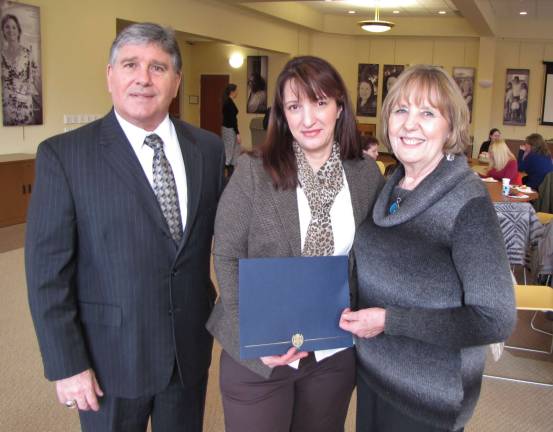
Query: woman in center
x=303, y=194
x=433, y=277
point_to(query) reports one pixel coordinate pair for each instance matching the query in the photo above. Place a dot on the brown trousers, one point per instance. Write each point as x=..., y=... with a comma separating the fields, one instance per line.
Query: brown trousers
x=313, y=398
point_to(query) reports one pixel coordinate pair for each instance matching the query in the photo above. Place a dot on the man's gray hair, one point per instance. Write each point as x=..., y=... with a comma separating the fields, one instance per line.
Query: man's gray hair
x=148, y=33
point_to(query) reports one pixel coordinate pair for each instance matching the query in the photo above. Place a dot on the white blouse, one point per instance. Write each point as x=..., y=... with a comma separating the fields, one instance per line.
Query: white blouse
x=343, y=229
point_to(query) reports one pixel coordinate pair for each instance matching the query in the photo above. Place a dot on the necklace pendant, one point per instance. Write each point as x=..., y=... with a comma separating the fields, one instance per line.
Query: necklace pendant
x=394, y=207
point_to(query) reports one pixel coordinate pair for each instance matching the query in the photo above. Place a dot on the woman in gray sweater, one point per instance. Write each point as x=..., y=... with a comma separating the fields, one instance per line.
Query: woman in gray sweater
x=434, y=281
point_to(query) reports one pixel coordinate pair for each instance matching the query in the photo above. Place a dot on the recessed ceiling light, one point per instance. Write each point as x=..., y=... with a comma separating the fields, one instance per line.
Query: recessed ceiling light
x=351, y=12
x=442, y=12
x=395, y=12
x=523, y=13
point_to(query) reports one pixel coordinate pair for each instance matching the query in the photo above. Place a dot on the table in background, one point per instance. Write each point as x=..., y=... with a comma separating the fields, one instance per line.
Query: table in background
x=478, y=167
x=495, y=188
x=519, y=223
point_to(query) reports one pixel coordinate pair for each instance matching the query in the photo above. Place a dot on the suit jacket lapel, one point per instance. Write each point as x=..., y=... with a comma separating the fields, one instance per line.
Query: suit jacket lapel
x=121, y=157
x=193, y=167
x=286, y=203
x=358, y=190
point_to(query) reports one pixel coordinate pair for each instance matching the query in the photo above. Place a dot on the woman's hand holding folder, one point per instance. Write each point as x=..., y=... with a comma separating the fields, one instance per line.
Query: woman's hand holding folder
x=291, y=356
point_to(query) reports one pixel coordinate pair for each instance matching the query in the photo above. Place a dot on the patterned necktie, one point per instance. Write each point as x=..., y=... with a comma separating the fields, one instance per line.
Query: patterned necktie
x=165, y=187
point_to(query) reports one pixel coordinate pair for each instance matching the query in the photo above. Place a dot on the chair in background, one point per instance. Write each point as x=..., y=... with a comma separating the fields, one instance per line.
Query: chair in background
x=381, y=167
x=541, y=263
x=536, y=298
x=257, y=131
x=544, y=218
x=388, y=160
x=521, y=230
x=544, y=203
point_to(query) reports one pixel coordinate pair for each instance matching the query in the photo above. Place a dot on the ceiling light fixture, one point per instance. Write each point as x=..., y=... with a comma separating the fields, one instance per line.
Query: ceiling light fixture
x=442, y=12
x=376, y=25
x=523, y=13
x=351, y=12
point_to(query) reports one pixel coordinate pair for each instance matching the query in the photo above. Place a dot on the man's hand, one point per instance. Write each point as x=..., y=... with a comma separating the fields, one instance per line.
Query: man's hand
x=291, y=356
x=364, y=323
x=82, y=388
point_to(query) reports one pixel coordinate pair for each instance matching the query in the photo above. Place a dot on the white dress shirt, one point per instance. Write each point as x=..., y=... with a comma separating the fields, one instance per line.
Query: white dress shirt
x=145, y=154
x=343, y=230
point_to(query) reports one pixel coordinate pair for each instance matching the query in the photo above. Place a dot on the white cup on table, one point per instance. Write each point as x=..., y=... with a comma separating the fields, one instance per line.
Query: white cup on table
x=506, y=186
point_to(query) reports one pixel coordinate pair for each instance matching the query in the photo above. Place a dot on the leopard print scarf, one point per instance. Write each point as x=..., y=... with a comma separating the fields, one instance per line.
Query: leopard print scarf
x=320, y=189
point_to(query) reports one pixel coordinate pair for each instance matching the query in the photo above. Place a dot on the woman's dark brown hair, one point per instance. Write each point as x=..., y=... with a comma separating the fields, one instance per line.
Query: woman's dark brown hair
x=538, y=144
x=316, y=79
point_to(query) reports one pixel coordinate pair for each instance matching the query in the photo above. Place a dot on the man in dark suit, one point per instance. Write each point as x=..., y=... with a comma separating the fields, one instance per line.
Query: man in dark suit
x=118, y=247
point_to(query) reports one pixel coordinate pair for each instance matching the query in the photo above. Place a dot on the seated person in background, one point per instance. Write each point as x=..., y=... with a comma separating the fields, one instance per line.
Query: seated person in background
x=369, y=145
x=534, y=159
x=494, y=135
x=503, y=163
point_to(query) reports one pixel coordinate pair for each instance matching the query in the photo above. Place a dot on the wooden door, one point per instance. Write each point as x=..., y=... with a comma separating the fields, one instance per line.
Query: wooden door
x=211, y=95
x=12, y=194
x=174, y=108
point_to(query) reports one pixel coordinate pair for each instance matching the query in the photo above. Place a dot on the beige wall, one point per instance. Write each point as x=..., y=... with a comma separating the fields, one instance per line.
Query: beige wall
x=519, y=54
x=345, y=52
x=212, y=58
x=76, y=36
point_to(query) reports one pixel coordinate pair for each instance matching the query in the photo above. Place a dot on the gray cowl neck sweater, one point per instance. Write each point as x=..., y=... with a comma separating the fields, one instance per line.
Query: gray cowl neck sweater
x=439, y=268
x=446, y=176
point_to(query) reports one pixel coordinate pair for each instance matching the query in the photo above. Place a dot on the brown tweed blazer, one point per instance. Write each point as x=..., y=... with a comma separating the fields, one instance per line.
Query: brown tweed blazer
x=255, y=220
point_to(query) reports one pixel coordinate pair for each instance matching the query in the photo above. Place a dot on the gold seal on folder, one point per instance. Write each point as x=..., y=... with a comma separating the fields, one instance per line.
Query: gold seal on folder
x=297, y=340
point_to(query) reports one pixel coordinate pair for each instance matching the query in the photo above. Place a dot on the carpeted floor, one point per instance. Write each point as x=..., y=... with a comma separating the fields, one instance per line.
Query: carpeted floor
x=12, y=237
x=28, y=402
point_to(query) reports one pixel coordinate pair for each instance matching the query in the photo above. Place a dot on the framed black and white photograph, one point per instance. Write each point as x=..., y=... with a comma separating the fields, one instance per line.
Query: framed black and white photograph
x=21, y=70
x=464, y=77
x=257, y=84
x=367, y=85
x=515, y=101
x=391, y=73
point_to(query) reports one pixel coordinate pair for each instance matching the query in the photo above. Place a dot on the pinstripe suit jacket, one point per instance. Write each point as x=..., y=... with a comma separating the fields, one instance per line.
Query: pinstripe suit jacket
x=255, y=220
x=108, y=288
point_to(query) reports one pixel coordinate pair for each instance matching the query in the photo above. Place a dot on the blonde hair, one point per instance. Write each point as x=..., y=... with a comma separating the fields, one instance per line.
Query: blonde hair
x=499, y=154
x=422, y=82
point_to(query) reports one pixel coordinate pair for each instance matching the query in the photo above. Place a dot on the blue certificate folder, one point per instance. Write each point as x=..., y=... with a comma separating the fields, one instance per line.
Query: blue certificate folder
x=299, y=298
